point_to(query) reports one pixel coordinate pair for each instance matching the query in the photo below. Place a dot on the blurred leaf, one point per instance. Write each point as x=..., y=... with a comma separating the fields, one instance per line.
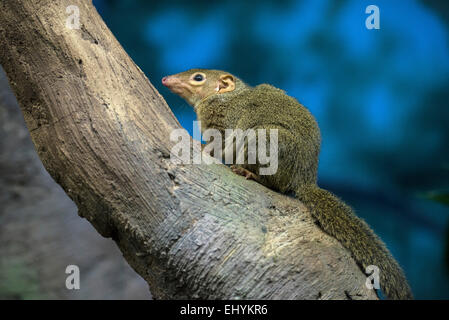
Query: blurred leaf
x=441, y=197
x=19, y=281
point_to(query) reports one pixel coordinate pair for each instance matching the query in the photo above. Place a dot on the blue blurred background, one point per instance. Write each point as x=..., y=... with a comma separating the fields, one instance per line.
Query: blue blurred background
x=380, y=97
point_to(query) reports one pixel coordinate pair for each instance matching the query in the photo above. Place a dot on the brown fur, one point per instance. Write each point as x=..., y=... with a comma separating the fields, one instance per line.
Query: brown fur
x=221, y=104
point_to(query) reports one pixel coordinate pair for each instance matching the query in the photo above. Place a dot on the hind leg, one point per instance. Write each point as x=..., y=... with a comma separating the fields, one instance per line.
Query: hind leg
x=245, y=173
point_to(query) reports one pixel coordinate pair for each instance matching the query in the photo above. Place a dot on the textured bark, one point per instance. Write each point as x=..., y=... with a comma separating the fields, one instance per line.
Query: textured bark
x=192, y=231
x=40, y=232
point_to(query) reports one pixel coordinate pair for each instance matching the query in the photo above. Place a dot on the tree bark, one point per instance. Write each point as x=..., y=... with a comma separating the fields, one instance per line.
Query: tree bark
x=102, y=132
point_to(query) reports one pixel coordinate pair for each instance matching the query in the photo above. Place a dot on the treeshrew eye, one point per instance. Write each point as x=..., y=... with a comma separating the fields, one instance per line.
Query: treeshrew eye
x=198, y=77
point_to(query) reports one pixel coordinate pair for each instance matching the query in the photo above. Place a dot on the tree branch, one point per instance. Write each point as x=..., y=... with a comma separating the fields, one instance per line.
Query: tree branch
x=192, y=231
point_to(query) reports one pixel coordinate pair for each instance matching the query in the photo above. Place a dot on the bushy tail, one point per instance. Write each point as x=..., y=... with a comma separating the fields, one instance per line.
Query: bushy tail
x=338, y=220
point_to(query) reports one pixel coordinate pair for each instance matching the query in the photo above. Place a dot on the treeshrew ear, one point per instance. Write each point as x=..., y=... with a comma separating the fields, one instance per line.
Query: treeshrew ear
x=226, y=83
